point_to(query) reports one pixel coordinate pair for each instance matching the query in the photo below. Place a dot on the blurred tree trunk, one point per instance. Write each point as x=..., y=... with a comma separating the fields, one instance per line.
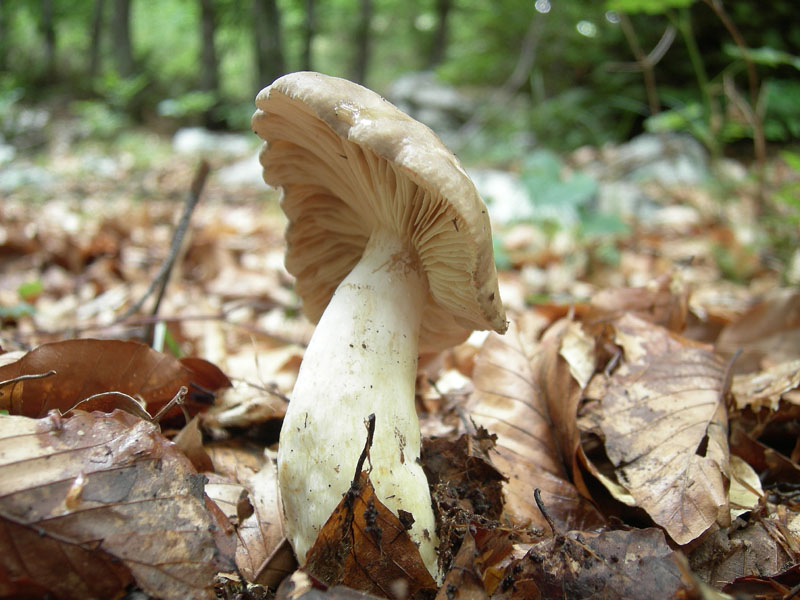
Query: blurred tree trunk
x=209, y=67
x=3, y=37
x=269, y=50
x=96, y=36
x=439, y=42
x=362, y=39
x=309, y=31
x=121, y=37
x=47, y=25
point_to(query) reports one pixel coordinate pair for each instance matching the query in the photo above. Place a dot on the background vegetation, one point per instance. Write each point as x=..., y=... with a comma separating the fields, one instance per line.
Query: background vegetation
x=569, y=72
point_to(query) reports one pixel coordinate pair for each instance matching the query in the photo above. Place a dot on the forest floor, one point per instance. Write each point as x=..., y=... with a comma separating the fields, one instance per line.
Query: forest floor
x=695, y=307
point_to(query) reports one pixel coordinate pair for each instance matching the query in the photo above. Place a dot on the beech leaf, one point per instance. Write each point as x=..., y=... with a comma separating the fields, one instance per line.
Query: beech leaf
x=90, y=502
x=529, y=399
x=363, y=545
x=84, y=367
x=664, y=423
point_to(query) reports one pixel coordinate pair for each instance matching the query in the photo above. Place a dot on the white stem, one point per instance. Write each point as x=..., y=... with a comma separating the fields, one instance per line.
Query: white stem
x=362, y=359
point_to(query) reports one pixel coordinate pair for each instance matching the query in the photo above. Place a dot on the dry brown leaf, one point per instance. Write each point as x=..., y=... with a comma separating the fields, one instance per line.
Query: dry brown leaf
x=622, y=565
x=773, y=466
x=237, y=460
x=528, y=398
x=664, y=302
x=264, y=556
x=363, y=545
x=767, y=334
x=745, y=493
x=780, y=586
x=190, y=441
x=740, y=551
x=664, y=425
x=86, y=367
x=88, y=501
x=764, y=389
x=463, y=581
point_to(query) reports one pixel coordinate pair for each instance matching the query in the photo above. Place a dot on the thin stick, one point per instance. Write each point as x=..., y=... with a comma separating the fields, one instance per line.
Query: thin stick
x=19, y=378
x=162, y=277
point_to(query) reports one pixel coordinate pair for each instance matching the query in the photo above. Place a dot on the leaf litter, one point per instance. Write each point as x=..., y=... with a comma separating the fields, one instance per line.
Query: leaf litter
x=659, y=459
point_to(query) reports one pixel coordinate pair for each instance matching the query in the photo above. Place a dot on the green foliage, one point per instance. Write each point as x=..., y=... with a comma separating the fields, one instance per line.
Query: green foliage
x=566, y=201
x=765, y=55
x=191, y=104
x=651, y=7
x=30, y=290
x=16, y=311
x=99, y=119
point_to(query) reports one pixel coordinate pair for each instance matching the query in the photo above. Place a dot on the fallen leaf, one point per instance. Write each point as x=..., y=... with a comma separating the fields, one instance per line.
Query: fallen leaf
x=363, y=545
x=526, y=395
x=85, y=367
x=781, y=586
x=767, y=334
x=664, y=302
x=190, y=441
x=745, y=492
x=664, y=425
x=740, y=551
x=764, y=389
x=463, y=581
x=90, y=501
x=614, y=564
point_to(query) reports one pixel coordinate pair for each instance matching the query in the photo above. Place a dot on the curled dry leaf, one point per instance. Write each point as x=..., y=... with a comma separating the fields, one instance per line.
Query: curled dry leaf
x=664, y=423
x=91, y=501
x=82, y=368
x=363, y=545
x=262, y=554
x=526, y=395
x=746, y=492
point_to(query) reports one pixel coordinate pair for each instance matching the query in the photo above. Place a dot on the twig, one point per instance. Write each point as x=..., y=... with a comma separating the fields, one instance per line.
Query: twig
x=643, y=61
x=754, y=116
x=162, y=277
x=537, y=495
x=176, y=399
x=501, y=97
x=370, y=424
x=19, y=378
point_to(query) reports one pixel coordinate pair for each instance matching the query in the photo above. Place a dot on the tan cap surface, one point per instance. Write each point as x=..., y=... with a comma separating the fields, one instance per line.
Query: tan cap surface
x=349, y=161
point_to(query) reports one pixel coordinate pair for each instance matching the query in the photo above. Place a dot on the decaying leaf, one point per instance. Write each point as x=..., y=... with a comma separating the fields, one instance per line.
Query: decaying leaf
x=529, y=399
x=463, y=581
x=622, y=565
x=89, y=502
x=363, y=545
x=743, y=549
x=81, y=368
x=664, y=424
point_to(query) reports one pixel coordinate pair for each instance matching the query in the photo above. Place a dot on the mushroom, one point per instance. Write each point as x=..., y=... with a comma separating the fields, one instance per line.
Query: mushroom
x=391, y=248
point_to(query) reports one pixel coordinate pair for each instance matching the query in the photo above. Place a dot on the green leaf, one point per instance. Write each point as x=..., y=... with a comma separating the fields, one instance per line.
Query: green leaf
x=765, y=55
x=651, y=7
x=792, y=159
x=30, y=289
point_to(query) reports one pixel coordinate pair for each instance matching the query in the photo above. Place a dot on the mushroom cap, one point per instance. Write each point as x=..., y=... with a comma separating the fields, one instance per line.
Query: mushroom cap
x=349, y=162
